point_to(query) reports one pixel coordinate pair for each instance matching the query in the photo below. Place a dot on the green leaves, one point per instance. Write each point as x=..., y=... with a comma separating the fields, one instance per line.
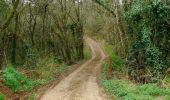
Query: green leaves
x=12, y=78
x=19, y=82
x=4, y=9
x=2, y=96
x=147, y=23
x=128, y=91
x=62, y=68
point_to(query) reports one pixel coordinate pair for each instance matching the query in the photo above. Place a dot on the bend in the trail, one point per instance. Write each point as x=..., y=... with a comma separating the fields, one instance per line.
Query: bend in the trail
x=82, y=83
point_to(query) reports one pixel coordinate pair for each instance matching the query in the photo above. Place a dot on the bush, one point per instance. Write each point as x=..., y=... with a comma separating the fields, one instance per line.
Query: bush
x=19, y=82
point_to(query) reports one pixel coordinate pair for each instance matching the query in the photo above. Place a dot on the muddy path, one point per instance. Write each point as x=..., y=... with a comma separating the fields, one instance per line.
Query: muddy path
x=82, y=83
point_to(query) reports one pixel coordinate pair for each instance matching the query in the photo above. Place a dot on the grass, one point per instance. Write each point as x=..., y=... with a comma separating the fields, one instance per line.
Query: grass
x=32, y=96
x=87, y=52
x=167, y=79
x=2, y=96
x=117, y=62
x=128, y=91
x=125, y=90
x=46, y=71
x=19, y=82
x=23, y=79
x=47, y=68
x=62, y=68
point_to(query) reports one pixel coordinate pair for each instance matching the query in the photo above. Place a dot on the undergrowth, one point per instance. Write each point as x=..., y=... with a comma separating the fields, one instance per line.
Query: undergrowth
x=47, y=68
x=32, y=96
x=2, y=96
x=62, y=68
x=46, y=71
x=125, y=90
x=117, y=62
x=19, y=82
x=50, y=69
x=167, y=79
x=87, y=52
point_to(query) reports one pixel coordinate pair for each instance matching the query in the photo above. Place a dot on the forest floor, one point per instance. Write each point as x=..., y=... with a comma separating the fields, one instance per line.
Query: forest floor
x=83, y=83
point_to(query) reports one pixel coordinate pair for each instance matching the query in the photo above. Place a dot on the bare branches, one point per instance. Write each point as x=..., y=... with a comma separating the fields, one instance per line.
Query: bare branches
x=105, y=7
x=7, y=22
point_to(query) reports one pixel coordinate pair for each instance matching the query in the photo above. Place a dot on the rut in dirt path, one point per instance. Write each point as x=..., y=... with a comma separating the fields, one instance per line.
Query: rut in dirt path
x=82, y=83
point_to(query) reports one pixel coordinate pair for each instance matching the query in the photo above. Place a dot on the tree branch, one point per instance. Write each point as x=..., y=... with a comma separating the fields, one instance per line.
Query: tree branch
x=105, y=7
x=7, y=22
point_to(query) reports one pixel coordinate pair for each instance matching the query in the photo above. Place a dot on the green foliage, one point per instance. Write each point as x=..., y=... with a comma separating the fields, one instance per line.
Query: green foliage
x=14, y=79
x=31, y=57
x=26, y=38
x=62, y=68
x=128, y=91
x=87, y=52
x=105, y=71
x=32, y=96
x=2, y=96
x=117, y=62
x=3, y=8
x=49, y=69
x=149, y=29
x=19, y=82
x=125, y=90
x=151, y=89
x=46, y=67
x=167, y=79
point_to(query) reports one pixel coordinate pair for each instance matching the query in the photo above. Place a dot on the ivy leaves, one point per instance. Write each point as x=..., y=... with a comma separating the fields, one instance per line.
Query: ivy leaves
x=147, y=22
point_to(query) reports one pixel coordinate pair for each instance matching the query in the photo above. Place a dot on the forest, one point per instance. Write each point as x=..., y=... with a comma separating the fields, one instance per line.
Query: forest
x=84, y=50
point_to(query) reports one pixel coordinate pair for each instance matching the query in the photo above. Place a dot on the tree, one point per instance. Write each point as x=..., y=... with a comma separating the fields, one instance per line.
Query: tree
x=150, y=35
x=35, y=29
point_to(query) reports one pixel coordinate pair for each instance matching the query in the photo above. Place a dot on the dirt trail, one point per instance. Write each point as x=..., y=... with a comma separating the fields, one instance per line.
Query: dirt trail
x=82, y=83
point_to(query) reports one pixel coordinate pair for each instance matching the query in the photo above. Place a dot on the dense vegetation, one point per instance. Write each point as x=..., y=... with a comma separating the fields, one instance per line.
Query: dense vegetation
x=39, y=39
x=140, y=35
x=19, y=82
x=144, y=54
x=127, y=91
x=149, y=29
x=35, y=29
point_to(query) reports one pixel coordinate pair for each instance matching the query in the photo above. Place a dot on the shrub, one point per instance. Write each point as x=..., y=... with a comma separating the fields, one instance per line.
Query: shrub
x=19, y=82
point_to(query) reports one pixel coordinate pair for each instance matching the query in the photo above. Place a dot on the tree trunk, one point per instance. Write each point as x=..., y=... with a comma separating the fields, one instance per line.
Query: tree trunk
x=14, y=41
